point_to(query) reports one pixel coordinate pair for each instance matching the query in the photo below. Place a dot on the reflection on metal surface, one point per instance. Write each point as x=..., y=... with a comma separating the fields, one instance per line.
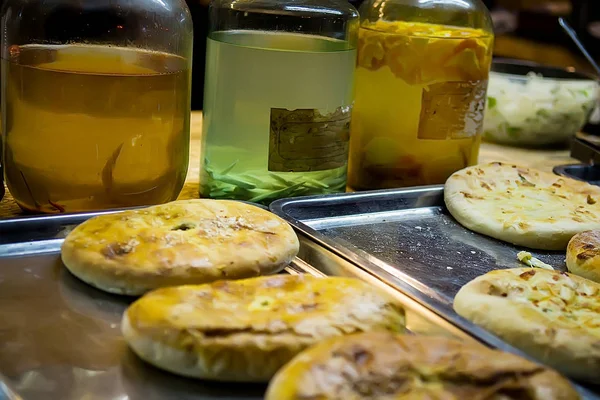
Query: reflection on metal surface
x=58, y=339
x=30, y=248
x=298, y=266
x=61, y=339
x=143, y=382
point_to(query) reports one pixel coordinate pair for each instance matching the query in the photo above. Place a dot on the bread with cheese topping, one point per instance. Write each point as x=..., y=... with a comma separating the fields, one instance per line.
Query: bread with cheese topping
x=182, y=242
x=583, y=255
x=245, y=330
x=380, y=365
x=521, y=205
x=554, y=316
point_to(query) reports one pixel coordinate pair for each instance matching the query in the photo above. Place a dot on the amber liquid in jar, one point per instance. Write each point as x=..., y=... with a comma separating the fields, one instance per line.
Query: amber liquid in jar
x=420, y=96
x=93, y=127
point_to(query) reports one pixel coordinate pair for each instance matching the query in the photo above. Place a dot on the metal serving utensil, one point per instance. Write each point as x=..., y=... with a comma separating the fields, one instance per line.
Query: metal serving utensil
x=573, y=35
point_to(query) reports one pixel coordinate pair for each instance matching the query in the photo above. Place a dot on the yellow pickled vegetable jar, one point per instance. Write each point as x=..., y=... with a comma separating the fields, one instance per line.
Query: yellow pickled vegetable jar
x=420, y=92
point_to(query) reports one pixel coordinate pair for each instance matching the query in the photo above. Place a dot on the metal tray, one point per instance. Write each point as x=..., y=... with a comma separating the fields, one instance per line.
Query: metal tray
x=586, y=148
x=581, y=172
x=408, y=239
x=60, y=338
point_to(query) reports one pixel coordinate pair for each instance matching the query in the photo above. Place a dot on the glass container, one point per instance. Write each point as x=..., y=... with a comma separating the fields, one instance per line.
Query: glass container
x=421, y=81
x=95, y=102
x=2, y=189
x=1, y=173
x=278, y=98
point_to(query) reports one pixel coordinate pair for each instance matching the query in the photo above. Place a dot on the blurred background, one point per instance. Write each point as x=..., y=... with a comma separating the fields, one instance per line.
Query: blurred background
x=525, y=30
x=528, y=29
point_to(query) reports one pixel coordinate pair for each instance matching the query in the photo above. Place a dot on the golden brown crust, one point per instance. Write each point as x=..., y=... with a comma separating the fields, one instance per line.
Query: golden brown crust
x=183, y=242
x=583, y=255
x=521, y=205
x=553, y=316
x=245, y=330
x=386, y=366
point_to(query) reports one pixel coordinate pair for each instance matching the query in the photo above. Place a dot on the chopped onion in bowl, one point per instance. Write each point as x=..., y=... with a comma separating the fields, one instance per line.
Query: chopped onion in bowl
x=533, y=110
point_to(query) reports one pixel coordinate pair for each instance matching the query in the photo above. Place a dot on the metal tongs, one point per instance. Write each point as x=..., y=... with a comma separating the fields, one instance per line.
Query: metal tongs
x=573, y=35
x=7, y=392
x=585, y=147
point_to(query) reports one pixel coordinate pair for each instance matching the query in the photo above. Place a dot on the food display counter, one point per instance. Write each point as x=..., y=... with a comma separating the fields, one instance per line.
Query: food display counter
x=61, y=339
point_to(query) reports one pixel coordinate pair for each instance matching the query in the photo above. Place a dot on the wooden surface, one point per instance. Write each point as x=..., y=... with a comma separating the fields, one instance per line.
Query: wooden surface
x=541, y=159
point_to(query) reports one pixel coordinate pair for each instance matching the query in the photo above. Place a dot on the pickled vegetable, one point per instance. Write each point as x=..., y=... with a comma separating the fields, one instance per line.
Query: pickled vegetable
x=235, y=182
x=94, y=127
x=536, y=111
x=420, y=98
x=280, y=128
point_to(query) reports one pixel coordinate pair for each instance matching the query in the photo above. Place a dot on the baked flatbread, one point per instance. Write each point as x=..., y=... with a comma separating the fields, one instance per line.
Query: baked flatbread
x=521, y=205
x=404, y=367
x=553, y=316
x=182, y=242
x=583, y=255
x=245, y=330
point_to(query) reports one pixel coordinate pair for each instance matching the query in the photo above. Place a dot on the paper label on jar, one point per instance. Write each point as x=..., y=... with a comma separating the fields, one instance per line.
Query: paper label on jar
x=452, y=110
x=304, y=140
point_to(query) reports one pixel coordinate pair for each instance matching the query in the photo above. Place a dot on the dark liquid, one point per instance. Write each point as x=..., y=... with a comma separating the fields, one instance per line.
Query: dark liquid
x=91, y=127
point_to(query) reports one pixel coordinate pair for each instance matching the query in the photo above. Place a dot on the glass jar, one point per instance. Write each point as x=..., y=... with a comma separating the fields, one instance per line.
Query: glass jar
x=95, y=102
x=421, y=82
x=1, y=172
x=278, y=98
x=2, y=189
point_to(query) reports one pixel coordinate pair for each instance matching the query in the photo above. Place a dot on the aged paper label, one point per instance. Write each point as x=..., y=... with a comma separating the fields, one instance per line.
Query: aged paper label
x=452, y=110
x=305, y=140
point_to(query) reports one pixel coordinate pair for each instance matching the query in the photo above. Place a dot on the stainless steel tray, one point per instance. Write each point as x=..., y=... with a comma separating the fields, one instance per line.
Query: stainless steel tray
x=407, y=238
x=60, y=338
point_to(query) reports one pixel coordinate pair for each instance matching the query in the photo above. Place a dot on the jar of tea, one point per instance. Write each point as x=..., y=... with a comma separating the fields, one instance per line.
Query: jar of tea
x=421, y=82
x=278, y=98
x=95, y=102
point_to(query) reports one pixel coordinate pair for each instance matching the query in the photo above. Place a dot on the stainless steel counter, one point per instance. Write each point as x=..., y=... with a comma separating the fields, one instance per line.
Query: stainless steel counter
x=60, y=338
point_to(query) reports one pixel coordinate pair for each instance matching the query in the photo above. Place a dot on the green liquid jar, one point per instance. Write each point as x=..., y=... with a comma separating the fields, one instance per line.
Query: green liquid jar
x=278, y=99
